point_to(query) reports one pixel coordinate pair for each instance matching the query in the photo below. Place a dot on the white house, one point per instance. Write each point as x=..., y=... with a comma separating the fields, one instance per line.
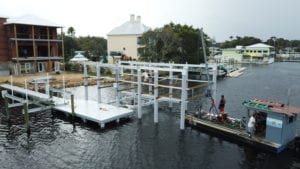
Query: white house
x=123, y=40
x=256, y=53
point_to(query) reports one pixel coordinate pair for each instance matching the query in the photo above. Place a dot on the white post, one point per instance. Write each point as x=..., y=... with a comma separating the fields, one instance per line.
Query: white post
x=98, y=69
x=47, y=86
x=186, y=68
x=117, y=93
x=214, y=87
x=85, y=81
x=131, y=84
x=36, y=87
x=183, y=99
x=150, y=80
x=155, y=96
x=64, y=88
x=171, y=83
x=139, y=73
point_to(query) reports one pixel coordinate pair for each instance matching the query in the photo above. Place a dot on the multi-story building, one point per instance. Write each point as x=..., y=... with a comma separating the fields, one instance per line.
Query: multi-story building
x=29, y=44
x=124, y=39
x=257, y=53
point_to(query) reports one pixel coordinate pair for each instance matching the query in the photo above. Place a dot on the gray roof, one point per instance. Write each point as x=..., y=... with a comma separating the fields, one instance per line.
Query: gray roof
x=31, y=20
x=132, y=27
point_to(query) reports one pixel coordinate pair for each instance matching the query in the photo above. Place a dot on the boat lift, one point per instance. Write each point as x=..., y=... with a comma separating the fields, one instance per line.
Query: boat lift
x=156, y=71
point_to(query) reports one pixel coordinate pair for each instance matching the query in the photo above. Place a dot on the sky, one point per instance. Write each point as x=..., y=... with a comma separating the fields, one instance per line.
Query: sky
x=220, y=19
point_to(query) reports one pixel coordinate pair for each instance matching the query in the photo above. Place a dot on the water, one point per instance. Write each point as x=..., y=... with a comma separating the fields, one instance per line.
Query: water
x=56, y=143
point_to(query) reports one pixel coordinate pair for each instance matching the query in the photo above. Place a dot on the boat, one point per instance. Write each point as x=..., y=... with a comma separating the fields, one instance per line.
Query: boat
x=275, y=124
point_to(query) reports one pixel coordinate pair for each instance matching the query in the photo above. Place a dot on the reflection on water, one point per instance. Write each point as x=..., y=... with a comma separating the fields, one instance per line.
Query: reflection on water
x=56, y=143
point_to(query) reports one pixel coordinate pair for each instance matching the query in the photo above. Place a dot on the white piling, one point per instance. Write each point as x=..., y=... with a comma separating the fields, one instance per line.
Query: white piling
x=139, y=73
x=98, y=69
x=47, y=86
x=64, y=88
x=117, y=86
x=85, y=81
x=214, y=86
x=183, y=99
x=132, y=85
x=155, y=96
x=11, y=87
x=171, y=83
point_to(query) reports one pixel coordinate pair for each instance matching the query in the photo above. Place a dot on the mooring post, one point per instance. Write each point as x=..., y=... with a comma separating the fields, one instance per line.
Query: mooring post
x=6, y=108
x=72, y=107
x=26, y=117
x=155, y=96
x=85, y=81
x=139, y=73
x=98, y=70
x=170, y=83
x=183, y=98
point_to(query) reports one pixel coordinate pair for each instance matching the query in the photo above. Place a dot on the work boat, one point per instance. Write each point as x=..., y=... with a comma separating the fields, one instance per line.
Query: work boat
x=275, y=124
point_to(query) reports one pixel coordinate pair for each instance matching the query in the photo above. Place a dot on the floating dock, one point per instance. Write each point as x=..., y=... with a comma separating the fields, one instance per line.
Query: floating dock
x=93, y=111
x=235, y=134
x=86, y=109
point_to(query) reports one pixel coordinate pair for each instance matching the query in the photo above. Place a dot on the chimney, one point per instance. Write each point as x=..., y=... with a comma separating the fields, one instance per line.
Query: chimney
x=138, y=19
x=132, y=18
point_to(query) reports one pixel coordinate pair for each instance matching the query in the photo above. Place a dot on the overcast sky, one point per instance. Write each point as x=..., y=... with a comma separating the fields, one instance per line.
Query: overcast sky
x=219, y=18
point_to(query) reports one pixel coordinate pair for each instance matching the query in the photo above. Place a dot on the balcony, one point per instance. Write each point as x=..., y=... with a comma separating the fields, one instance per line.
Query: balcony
x=38, y=58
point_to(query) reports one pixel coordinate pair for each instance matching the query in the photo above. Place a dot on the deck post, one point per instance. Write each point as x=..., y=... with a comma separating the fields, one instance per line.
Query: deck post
x=26, y=117
x=155, y=96
x=72, y=106
x=139, y=73
x=170, y=83
x=98, y=69
x=85, y=81
x=183, y=99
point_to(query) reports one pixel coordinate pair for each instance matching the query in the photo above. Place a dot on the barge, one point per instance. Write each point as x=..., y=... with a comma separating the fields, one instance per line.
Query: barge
x=275, y=127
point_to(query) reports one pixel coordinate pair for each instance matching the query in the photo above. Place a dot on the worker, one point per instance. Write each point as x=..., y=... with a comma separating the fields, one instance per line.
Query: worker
x=251, y=126
x=212, y=105
x=222, y=104
x=145, y=76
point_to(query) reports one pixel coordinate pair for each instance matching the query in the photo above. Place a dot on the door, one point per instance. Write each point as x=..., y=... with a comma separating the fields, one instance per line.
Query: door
x=42, y=66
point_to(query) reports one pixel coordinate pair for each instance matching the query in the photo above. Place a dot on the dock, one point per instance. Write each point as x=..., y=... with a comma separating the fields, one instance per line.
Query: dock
x=236, y=73
x=100, y=113
x=234, y=134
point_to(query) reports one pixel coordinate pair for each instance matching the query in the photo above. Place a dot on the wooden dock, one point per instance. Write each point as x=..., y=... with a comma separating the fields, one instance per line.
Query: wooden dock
x=234, y=134
x=86, y=109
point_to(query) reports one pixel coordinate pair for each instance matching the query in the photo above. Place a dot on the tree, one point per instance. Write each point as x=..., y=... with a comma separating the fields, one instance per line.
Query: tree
x=243, y=41
x=173, y=42
x=93, y=46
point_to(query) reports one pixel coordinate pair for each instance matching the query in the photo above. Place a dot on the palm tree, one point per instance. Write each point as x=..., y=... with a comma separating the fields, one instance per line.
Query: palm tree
x=71, y=31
